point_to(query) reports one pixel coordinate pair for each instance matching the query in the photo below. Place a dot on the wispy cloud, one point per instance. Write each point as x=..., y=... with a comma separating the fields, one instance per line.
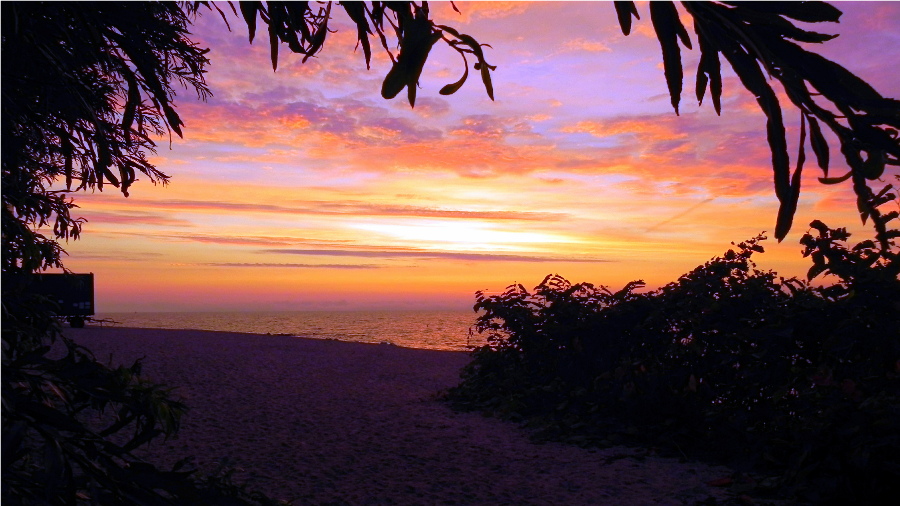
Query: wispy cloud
x=421, y=254
x=591, y=46
x=121, y=256
x=355, y=208
x=133, y=217
x=242, y=240
x=291, y=265
x=681, y=214
x=484, y=10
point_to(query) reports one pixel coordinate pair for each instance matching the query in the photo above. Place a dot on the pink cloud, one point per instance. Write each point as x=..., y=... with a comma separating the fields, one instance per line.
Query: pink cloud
x=344, y=207
x=423, y=254
x=290, y=265
x=133, y=218
x=590, y=46
x=477, y=10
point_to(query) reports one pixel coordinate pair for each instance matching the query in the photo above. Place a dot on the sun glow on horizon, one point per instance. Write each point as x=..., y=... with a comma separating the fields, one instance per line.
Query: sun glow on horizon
x=464, y=236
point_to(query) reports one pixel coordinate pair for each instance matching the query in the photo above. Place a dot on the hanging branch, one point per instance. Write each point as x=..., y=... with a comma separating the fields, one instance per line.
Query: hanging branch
x=305, y=30
x=759, y=41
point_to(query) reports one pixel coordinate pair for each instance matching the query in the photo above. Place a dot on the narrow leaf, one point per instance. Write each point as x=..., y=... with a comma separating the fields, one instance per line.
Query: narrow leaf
x=819, y=145
x=357, y=13
x=835, y=82
x=776, y=25
x=883, y=194
x=452, y=88
x=702, y=81
x=668, y=29
x=105, y=172
x=67, y=153
x=173, y=120
x=482, y=65
x=709, y=71
x=787, y=209
x=624, y=10
x=273, y=44
x=248, y=10
x=134, y=100
x=836, y=180
x=809, y=12
x=753, y=79
x=893, y=215
x=448, y=29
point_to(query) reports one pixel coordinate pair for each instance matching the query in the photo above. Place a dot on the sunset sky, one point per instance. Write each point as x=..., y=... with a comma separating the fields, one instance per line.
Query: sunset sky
x=303, y=189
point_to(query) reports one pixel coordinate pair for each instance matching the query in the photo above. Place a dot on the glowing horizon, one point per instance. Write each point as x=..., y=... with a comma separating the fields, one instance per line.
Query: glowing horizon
x=304, y=189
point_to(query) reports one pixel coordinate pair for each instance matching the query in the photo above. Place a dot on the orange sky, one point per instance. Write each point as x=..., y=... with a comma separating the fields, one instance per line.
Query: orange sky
x=304, y=189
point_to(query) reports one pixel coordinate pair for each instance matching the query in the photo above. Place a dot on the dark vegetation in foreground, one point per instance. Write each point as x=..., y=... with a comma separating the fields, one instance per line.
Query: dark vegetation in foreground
x=797, y=386
x=71, y=425
x=88, y=86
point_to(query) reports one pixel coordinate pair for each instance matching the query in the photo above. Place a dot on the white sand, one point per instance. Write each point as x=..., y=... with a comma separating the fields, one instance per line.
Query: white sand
x=327, y=422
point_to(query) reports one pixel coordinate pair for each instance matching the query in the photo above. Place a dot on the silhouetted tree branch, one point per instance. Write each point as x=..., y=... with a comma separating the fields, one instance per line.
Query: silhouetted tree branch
x=759, y=41
x=86, y=87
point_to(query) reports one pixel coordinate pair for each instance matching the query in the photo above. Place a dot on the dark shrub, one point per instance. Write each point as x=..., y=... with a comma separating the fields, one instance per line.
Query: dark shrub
x=796, y=382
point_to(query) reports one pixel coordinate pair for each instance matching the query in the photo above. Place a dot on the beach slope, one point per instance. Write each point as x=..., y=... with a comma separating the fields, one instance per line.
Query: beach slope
x=330, y=422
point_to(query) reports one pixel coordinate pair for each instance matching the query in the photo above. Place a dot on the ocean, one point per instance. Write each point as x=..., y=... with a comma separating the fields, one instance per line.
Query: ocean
x=433, y=330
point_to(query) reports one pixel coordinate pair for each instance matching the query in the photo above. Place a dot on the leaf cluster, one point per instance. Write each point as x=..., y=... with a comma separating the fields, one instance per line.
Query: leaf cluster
x=86, y=88
x=762, y=42
x=304, y=27
x=798, y=383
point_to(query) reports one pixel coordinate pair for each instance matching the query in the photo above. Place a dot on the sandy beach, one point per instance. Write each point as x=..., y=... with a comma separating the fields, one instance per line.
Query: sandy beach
x=329, y=422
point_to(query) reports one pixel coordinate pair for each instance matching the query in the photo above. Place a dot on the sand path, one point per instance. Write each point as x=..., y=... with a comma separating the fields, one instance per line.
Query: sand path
x=327, y=422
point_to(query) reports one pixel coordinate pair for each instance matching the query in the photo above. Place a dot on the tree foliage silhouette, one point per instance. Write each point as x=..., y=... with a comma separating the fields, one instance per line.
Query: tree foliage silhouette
x=87, y=87
x=759, y=39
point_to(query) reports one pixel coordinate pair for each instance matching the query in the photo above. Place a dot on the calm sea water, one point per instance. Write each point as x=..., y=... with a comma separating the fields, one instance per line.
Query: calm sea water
x=435, y=330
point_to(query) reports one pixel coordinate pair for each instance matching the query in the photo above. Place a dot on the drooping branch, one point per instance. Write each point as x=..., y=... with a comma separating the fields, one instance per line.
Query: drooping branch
x=760, y=42
x=304, y=29
x=86, y=88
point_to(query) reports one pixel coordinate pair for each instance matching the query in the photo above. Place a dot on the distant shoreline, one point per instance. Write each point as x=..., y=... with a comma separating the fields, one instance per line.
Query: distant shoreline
x=230, y=333
x=436, y=330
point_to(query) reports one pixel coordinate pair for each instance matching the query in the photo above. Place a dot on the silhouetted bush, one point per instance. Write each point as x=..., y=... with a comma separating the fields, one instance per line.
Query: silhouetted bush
x=798, y=383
